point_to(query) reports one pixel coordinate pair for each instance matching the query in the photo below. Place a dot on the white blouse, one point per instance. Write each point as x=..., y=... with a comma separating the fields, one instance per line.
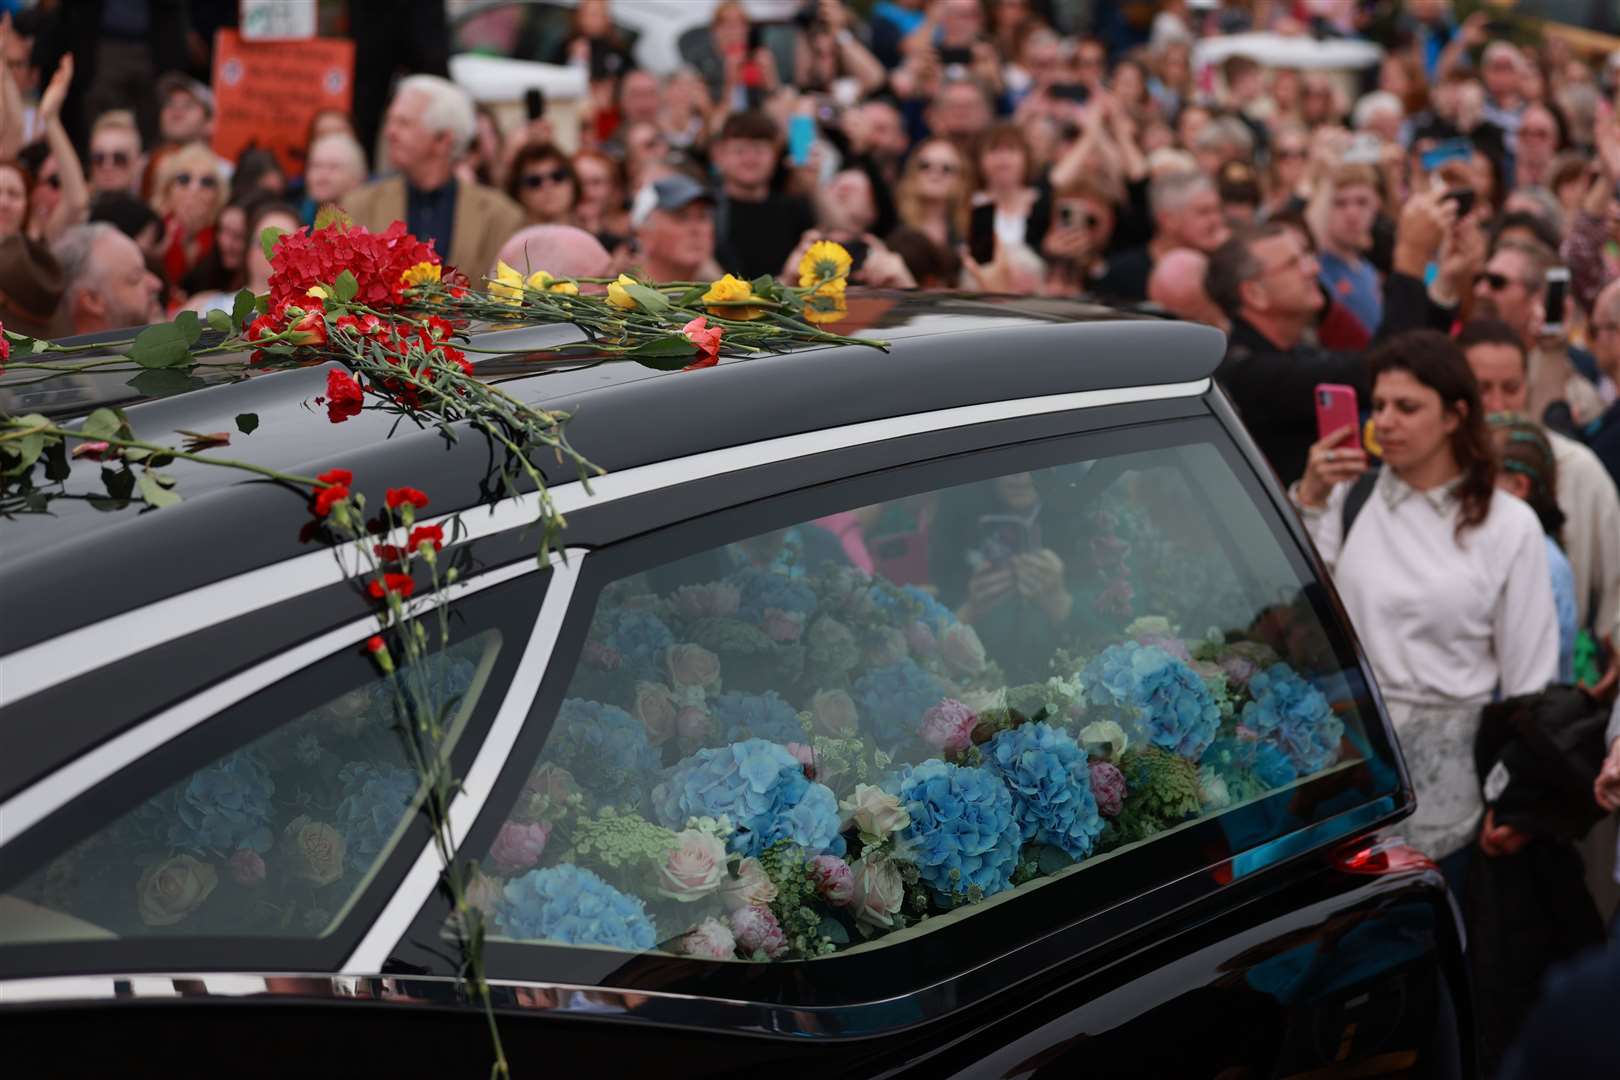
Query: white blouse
x=1442, y=621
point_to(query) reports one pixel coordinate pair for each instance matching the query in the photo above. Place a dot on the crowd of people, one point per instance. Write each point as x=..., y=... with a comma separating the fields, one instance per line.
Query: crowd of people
x=1439, y=231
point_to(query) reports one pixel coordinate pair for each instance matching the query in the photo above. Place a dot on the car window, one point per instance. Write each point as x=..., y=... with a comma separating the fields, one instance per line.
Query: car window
x=851, y=732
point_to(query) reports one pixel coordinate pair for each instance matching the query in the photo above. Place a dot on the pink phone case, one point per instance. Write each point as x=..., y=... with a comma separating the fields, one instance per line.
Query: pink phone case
x=1336, y=408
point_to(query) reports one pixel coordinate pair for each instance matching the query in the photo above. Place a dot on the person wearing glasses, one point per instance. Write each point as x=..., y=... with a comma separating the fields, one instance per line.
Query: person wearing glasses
x=932, y=195
x=542, y=181
x=116, y=160
x=191, y=192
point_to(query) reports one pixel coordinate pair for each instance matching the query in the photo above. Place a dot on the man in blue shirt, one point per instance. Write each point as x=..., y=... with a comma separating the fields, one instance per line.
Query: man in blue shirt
x=1344, y=236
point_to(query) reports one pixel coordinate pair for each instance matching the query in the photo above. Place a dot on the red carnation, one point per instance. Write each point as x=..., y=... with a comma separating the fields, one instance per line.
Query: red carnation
x=392, y=583
x=343, y=396
x=388, y=553
x=328, y=497
x=375, y=644
x=398, y=497
x=304, y=258
x=336, y=476
x=434, y=533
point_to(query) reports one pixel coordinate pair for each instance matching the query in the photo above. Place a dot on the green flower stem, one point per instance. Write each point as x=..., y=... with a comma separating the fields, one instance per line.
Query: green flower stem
x=157, y=449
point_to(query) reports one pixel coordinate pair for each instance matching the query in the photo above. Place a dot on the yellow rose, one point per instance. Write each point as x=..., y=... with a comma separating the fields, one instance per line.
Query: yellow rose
x=827, y=263
x=541, y=281
x=731, y=288
x=618, y=297
x=172, y=889
x=508, y=284
x=314, y=851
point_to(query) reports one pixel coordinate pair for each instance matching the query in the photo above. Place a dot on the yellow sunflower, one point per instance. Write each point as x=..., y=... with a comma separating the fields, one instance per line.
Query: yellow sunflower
x=825, y=262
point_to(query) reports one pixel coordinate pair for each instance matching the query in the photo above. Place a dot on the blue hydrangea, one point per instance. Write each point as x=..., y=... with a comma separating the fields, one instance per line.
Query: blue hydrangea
x=1050, y=781
x=923, y=607
x=1295, y=714
x=223, y=807
x=571, y=905
x=605, y=749
x=761, y=788
x=891, y=701
x=962, y=833
x=738, y=716
x=449, y=679
x=762, y=589
x=640, y=638
x=1272, y=766
x=1231, y=757
x=1175, y=708
x=375, y=799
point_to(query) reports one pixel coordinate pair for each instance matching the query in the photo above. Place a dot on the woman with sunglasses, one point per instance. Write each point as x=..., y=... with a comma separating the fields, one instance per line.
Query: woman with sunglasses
x=191, y=192
x=542, y=181
x=932, y=195
x=1287, y=170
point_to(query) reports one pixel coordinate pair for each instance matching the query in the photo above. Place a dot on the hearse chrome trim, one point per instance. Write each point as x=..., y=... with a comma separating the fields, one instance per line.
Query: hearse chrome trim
x=45, y=796
x=474, y=789
x=48, y=663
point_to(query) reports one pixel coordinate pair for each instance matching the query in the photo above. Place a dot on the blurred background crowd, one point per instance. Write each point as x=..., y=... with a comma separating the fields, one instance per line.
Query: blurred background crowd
x=1316, y=178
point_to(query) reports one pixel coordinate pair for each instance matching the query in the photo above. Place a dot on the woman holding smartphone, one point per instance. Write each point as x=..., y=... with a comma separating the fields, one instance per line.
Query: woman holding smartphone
x=1444, y=575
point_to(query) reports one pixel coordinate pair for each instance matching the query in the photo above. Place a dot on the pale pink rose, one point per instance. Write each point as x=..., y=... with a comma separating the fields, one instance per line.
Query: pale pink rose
x=781, y=625
x=874, y=813
x=710, y=939
x=1238, y=669
x=751, y=887
x=714, y=600
x=835, y=881
x=948, y=726
x=692, y=723
x=1108, y=785
x=757, y=931
x=694, y=867
x=247, y=867
x=833, y=712
x=172, y=889
x=517, y=847
x=886, y=647
x=655, y=708
x=920, y=639
x=962, y=649
x=693, y=665
x=806, y=756
x=878, y=891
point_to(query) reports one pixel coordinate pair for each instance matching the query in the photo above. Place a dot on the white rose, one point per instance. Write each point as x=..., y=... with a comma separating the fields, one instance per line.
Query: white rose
x=879, y=891
x=694, y=867
x=1104, y=740
x=875, y=813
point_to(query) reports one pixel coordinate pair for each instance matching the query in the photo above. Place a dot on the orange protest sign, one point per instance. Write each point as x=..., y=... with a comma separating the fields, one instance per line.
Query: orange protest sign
x=267, y=92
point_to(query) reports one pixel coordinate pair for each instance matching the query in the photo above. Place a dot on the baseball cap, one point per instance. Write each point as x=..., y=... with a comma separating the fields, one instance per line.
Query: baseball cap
x=175, y=80
x=669, y=193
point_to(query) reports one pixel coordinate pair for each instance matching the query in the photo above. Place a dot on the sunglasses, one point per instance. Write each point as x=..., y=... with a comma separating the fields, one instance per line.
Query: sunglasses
x=945, y=167
x=120, y=158
x=1493, y=281
x=539, y=179
x=203, y=180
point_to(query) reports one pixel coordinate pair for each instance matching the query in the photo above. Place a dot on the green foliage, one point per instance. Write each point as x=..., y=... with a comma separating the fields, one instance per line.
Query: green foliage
x=1159, y=785
x=247, y=423
x=166, y=345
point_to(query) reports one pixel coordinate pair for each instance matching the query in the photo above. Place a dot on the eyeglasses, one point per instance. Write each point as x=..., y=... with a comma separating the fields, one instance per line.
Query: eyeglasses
x=1298, y=153
x=946, y=168
x=1535, y=133
x=1494, y=281
x=540, y=179
x=202, y=180
x=120, y=158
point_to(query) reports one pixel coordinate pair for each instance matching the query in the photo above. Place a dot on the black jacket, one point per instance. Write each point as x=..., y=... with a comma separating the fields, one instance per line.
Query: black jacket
x=1537, y=756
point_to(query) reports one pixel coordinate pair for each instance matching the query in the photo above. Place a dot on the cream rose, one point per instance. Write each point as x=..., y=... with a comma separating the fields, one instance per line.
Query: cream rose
x=752, y=887
x=875, y=813
x=879, y=891
x=655, y=708
x=314, y=851
x=693, y=665
x=834, y=712
x=694, y=867
x=173, y=889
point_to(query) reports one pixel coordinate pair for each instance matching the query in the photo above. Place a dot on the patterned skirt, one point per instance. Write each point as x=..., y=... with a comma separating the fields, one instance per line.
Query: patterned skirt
x=1437, y=741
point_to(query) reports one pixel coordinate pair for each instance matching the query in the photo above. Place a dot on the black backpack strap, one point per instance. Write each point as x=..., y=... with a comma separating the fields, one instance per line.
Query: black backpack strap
x=1354, y=500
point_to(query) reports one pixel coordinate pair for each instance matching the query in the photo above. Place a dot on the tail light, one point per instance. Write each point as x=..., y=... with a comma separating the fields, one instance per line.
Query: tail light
x=1382, y=855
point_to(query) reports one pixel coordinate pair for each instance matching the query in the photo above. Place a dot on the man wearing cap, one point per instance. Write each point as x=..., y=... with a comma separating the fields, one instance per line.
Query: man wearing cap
x=185, y=110
x=674, y=223
x=429, y=124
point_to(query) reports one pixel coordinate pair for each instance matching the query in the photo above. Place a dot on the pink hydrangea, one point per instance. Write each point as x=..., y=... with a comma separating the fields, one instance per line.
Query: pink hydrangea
x=1108, y=785
x=948, y=726
x=517, y=846
x=247, y=867
x=757, y=931
x=835, y=881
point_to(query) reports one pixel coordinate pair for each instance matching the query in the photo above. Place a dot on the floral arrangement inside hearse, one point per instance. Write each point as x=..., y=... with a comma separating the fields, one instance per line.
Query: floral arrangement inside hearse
x=785, y=763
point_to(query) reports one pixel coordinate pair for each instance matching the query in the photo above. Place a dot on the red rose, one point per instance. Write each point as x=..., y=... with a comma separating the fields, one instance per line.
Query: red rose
x=336, y=476
x=343, y=394
x=421, y=533
x=398, y=497
x=329, y=496
x=392, y=583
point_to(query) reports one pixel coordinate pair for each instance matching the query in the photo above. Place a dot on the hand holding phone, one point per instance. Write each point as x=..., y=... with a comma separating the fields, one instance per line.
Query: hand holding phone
x=1336, y=409
x=801, y=137
x=1553, y=301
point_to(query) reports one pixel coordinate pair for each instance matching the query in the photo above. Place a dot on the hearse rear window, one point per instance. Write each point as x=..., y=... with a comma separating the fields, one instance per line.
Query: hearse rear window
x=847, y=733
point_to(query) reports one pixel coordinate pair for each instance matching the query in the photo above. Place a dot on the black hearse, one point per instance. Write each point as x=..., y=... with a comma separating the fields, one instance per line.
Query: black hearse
x=1028, y=527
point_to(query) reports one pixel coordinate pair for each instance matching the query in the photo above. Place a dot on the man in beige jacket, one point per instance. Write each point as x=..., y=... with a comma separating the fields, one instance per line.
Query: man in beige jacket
x=429, y=123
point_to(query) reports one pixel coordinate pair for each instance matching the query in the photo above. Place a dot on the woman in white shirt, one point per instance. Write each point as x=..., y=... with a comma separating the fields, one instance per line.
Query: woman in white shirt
x=1444, y=576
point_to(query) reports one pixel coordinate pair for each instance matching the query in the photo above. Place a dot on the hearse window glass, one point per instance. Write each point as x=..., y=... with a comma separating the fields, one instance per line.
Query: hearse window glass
x=842, y=734
x=276, y=838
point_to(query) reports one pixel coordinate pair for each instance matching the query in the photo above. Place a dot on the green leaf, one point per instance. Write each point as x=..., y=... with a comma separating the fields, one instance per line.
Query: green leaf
x=664, y=354
x=189, y=325
x=162, y=382
x=100, y=424
x=247, y=423
x=242, y=309
x=345, y=287
x=154, y=493
x=27, y=450
x=162, y=346
x=219, y=320
x=261, y=304
x=832, y=930
x=648, y=299
x=691, y=296
x=57, y=466
x=120, y=483
x=268, y=240
x=764, y=285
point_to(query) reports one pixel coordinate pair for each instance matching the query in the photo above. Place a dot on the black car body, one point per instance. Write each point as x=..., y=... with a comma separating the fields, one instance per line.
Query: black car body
x=1279, y=934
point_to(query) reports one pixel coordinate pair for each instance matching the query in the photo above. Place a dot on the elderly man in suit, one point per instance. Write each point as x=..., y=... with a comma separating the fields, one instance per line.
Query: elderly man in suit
x=429, y=123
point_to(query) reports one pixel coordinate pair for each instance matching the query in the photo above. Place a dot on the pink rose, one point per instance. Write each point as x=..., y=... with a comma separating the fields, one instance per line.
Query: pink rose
x=781, y=625
x=962, y=649
x=517, y=847
x=692, y=723
x=757, y=931
x=710, y=939
x=806, y=756
x=247, y=867
x=714, y=600
x=598, y=655
x=694, y=867
x=693, y=665
x=835, y=881
x=879, y=891
x=886, y=647
x=1108, y=785
x=752, y=887
x=948, y=726
x=833, y=712
x=920, y=639
x=655, y=708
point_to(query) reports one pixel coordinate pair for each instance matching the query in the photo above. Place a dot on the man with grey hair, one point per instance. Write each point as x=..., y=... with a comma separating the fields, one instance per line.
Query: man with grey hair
x=429, y=124
x=1186, y=214
x=108, y=284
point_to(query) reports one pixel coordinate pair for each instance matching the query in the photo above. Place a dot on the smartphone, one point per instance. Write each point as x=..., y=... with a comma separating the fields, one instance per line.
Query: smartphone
x=801, y=135
x=534, y=102
x=962, y=56
x=857, y=254
x=1444, y=153
x=1364, y=149
x=1004, y=536
x=1553, y=300
x=1078, y=93
x=1336, y=408
x=1464, y=198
